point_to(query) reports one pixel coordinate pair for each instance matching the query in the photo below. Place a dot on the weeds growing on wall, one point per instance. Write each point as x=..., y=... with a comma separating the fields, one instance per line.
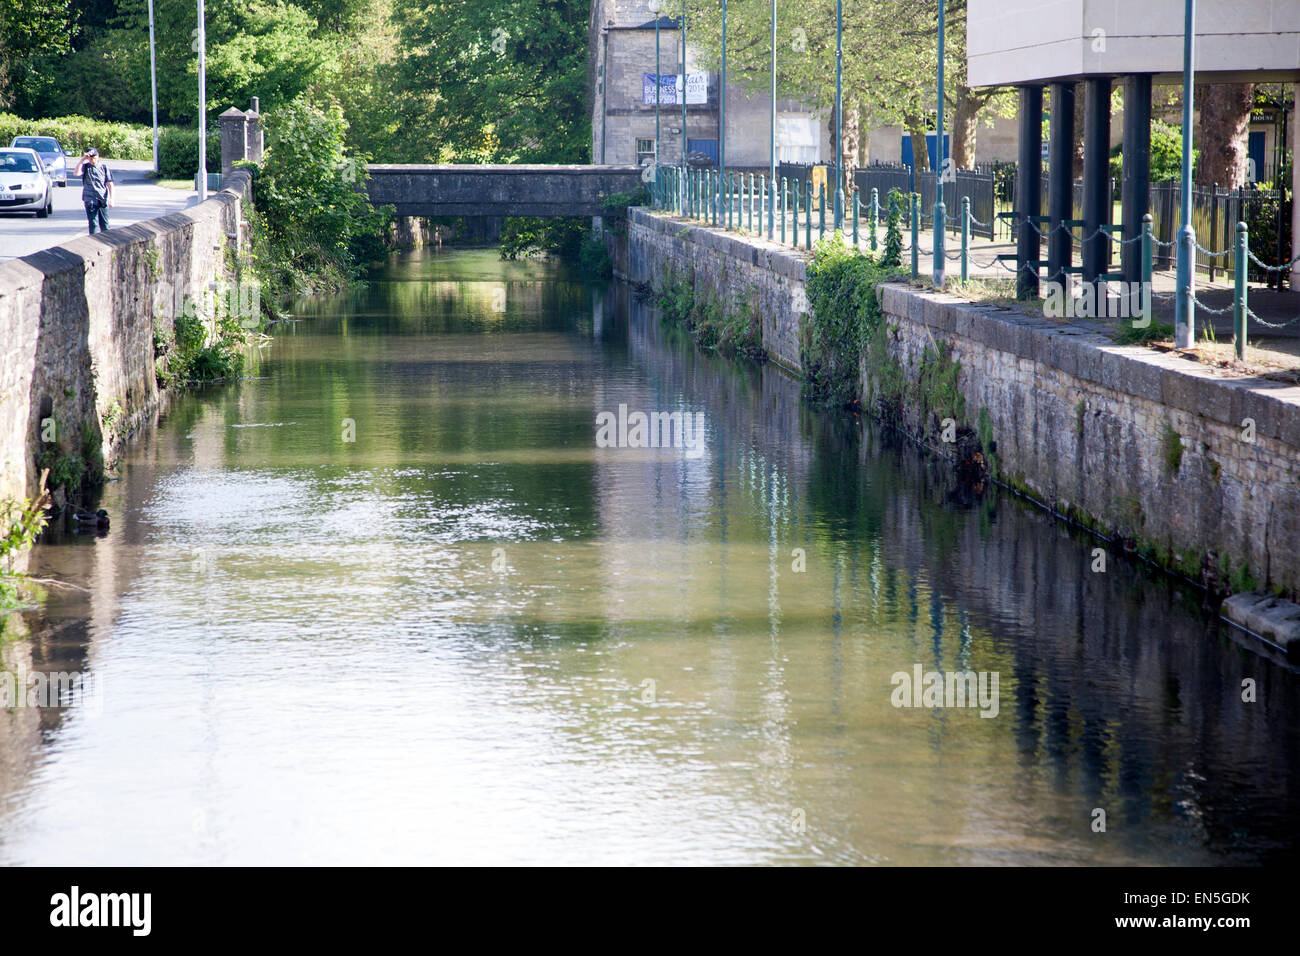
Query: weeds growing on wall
x=193, y=355
x=844, y=314
x=734, y=328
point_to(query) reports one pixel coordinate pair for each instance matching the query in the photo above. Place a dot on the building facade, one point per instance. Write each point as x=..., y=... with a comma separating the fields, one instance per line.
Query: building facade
x=623, y=101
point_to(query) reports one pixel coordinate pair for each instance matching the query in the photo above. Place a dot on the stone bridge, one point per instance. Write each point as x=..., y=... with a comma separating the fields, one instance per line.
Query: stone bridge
x=416, y=190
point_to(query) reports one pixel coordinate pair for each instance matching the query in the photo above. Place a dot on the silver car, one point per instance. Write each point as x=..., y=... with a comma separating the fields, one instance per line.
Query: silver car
x=52, y=155
x=25, y=186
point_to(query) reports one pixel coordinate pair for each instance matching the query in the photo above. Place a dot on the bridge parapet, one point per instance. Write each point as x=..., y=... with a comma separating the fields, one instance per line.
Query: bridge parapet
x=502, y=190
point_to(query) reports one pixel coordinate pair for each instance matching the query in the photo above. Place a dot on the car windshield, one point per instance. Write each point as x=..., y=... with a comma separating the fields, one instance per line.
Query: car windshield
x=16, y=163
x=43, y=144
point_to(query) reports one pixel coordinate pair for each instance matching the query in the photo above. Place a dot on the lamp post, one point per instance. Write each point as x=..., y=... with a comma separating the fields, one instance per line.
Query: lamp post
x=839, y=113
x=722, y=111
x=771, y=144
x=153, y=88
x=203, y=108
x=682, y=92
x=940, y=210
x=1184, y=310
x=654, y=8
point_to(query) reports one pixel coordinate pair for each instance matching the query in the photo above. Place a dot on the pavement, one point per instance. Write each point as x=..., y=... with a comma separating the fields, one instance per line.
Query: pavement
x=137, y=198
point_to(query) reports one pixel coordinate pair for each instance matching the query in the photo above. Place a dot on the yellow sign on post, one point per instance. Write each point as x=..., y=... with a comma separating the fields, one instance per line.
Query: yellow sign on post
x=818, y=174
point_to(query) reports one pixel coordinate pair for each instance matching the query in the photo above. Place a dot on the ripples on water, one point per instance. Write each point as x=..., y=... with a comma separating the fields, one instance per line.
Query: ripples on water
x=312, y=650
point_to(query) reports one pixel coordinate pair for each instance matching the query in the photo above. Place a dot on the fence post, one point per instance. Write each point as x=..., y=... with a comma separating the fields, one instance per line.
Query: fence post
x=762, y=202
x=875, y=214
x=785, y=204
x=821, y=209
x=857, y=211
x=807, y=213
x=916, y=229
x=1239, y=292
x=965, y=237
x=1214, y=224
x=1147, y=254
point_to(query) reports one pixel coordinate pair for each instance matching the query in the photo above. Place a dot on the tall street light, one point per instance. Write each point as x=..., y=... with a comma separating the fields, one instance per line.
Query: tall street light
x=839, y=114
x=153, y=88
x=682, y=92
x=722, y=114
x=654, y=8
x=771, y=142
x=202, y=42
x=940, y=210
x=1184, y=309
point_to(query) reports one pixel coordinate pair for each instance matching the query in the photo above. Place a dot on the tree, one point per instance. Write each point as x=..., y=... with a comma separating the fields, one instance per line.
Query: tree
x=493, y=81
x=1221, y=133
x=30, y=30
x=890, y=53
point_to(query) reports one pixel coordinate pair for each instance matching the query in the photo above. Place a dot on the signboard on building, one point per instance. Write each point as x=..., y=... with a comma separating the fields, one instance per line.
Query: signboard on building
x=697, y=89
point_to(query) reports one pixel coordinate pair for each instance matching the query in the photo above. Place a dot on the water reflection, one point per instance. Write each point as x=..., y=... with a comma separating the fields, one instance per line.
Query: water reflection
x=386, y=601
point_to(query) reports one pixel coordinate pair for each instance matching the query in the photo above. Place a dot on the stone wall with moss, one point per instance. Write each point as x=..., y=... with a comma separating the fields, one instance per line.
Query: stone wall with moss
x=77, y=333
x=1168, y=457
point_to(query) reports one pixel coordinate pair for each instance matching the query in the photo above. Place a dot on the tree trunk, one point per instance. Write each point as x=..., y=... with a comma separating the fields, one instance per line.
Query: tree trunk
x=1221, y=133
x=920, y=150
x=964, y=128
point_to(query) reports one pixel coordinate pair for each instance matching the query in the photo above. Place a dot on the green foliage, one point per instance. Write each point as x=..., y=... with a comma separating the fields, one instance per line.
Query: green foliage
x=1166, y=154
x=616, y=204
x=20, y=523
x=273, y=49
x=315, y=228
x=1171, y=446
x=936, y=384
x=66, y=469
x=737, y=330
x=529, y=236
x=893, y=256
x=1129, y=334
x=76, y=133
x=178, y=152
x=844, y=313
x=193, y=356
x=492, y=81
x=30, y=30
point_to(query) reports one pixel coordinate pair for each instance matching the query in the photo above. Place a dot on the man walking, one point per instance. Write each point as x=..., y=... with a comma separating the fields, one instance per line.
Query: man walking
x=96, y=189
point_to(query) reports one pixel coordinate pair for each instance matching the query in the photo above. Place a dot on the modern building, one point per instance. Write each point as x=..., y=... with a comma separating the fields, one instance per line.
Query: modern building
x=1047, y=46
x=623, y=119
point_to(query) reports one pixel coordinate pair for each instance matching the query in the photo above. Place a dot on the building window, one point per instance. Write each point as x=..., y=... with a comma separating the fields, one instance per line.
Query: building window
x=645, y=149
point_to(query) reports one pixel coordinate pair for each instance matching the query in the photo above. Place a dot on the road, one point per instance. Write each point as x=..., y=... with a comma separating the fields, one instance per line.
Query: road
x=137, y=199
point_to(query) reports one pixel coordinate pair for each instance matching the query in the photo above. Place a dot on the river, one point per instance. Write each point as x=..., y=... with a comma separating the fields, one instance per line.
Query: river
x=386, y=600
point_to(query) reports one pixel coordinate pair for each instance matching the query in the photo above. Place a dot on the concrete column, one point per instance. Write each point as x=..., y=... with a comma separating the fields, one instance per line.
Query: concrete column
x=1096, y=175
x=234, y=139
x=1060, y=181
x=1295, y=189
x=1029, y=188
x=1135, y=190
x=254, y=121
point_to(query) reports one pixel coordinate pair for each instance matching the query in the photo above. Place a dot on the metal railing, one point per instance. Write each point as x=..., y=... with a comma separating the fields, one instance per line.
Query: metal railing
x=749, y=203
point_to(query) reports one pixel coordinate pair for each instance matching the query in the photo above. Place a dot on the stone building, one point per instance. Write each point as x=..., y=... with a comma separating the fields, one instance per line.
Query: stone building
x=623, y=111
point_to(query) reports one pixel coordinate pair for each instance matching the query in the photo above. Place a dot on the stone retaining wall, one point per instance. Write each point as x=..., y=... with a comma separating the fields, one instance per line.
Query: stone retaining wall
x=1197, y=470
x=77, y=328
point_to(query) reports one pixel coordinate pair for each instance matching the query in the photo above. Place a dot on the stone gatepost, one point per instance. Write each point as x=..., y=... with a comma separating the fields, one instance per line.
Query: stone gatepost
x=234, y=139
x=253, y=119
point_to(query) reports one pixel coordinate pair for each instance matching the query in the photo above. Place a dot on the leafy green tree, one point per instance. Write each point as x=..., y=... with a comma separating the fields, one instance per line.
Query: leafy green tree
x=893, y=233
x=30, y=30
x=492, y=81
x=315, y=220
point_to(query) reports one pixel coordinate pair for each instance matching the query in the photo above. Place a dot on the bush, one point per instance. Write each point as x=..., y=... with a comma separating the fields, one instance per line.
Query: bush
x=844, y=313
x=893, y=257
x=314, y=226
x=178, y=152
x=76, y=133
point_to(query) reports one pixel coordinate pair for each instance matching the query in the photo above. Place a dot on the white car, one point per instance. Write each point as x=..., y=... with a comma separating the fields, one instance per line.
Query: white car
x=25, y=185
x=52, y=155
